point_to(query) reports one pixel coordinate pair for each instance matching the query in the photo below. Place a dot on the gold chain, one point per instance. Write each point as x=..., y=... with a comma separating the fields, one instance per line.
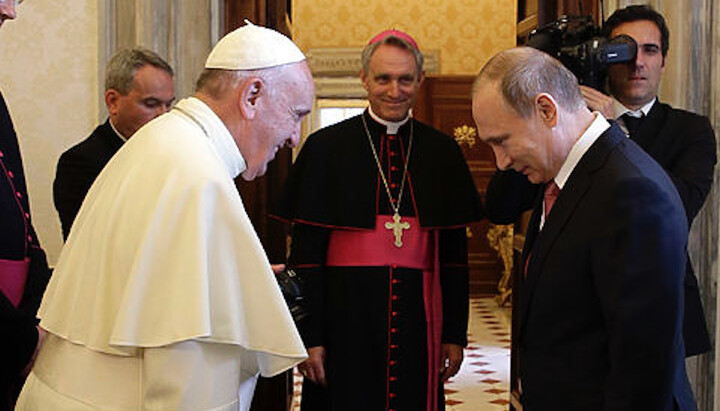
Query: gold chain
x=395, y=206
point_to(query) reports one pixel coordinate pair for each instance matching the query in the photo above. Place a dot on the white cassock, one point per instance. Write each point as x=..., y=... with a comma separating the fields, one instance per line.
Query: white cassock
x=163, y=297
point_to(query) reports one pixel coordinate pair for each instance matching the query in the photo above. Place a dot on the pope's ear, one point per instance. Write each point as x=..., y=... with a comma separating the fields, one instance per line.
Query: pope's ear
x=251, y=92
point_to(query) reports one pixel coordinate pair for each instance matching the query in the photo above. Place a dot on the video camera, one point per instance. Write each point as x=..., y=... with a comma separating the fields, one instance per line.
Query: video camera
x=579, y=45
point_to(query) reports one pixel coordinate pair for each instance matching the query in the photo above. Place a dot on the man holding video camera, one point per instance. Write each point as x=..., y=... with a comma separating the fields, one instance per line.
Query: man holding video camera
x=682, y=142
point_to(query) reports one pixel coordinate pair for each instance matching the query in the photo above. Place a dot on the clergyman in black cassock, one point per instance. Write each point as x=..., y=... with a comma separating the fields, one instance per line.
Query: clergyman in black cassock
x=374, y=320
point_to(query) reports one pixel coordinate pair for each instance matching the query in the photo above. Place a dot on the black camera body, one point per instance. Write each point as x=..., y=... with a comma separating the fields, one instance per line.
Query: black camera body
x=579, y=45
x=293, y=292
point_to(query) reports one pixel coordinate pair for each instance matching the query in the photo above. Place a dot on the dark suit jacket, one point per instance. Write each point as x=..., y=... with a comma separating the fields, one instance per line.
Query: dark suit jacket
x=683, y=143
x=78, y=168
x=600, y=324
x=17, y=241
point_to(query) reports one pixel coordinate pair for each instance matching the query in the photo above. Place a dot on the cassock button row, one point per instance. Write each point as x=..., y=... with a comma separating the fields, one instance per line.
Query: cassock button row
x=30, y=238
x=393, y=168
x=27, y=216
x=394, y=346
x=393, y=330
x=393, y=185
x=393, y=362
x=394, y=297
x=391, y=137
x=393, y=378
x=10, y=174
x=1, y=154
x=18, y=194
x=393, y=266
x=394, y=313
x=393, y=395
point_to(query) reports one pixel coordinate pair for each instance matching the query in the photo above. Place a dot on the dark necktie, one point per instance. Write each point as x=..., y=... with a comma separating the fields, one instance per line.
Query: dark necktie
x=631, y=124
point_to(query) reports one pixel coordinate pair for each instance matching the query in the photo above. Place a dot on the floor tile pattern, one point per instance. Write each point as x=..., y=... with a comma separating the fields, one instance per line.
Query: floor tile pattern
x=483, y=381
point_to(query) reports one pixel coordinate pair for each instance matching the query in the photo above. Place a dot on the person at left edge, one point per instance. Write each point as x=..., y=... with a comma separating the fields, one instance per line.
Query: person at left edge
x=24, y=271
x=163, y=297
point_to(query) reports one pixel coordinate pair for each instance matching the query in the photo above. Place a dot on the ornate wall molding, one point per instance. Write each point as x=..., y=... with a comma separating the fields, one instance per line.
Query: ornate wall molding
x=346, y=62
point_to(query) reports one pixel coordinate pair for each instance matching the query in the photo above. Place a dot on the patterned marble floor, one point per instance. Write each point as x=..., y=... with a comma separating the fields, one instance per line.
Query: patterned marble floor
x=483, y=381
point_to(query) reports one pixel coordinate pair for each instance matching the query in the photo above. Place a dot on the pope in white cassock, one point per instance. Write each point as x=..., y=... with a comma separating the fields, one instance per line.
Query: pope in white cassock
x=163, y=298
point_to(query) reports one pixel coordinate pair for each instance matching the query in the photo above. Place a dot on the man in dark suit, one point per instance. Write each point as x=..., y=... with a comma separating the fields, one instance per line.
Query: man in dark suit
x=682, y=142
x=600, y=315
x=24, y=271
x=138, y=88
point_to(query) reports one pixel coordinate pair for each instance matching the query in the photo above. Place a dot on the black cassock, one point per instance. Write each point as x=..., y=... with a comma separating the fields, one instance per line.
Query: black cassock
x=17, y=242
x=371, y=320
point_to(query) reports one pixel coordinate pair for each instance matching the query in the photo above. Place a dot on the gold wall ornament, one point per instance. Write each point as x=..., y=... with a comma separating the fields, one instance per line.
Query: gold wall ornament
x=500, y=238
x=465, y=135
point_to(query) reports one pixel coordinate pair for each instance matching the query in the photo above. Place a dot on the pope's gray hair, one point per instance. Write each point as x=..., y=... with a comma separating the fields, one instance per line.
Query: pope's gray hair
x=217, y=82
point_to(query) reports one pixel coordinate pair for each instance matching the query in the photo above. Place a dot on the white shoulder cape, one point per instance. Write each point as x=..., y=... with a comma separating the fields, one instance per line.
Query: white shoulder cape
x=163, y=251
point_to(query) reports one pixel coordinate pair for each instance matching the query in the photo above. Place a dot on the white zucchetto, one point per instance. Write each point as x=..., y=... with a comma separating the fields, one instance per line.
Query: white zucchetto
x=252, y=47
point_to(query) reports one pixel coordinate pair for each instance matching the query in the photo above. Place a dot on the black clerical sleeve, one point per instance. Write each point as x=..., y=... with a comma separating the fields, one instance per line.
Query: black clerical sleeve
x=508, y=195
x=454, y=281
x=18, y=342
x=37, y=279
x=307, y=258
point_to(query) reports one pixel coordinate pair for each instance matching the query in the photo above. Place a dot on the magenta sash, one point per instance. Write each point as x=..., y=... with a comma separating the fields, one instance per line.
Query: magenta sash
x=13, y=274
x=376, y=248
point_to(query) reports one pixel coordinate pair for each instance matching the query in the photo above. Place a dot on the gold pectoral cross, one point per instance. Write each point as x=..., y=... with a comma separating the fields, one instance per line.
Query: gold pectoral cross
x=397, y=228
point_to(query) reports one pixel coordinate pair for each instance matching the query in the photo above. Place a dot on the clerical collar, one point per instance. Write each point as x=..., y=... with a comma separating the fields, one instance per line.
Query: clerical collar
x=117, y=133
x=621, y=110
x=392, y=126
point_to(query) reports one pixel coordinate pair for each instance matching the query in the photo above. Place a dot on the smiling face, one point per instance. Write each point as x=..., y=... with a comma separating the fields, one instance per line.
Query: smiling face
x=521, y=144
x=636, y=83
x=392, y=82
x=152, y=94
x=278, y=119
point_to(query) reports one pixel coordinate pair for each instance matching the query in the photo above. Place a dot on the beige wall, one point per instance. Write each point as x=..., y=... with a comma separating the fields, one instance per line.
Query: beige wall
x=467, y=32
x=52, y=60
x=48, y=76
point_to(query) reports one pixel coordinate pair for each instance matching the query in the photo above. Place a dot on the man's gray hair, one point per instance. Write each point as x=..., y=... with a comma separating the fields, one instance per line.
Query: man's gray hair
x=392, y=41
x=218, y=82
x=524, y=72
x=123, y=65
